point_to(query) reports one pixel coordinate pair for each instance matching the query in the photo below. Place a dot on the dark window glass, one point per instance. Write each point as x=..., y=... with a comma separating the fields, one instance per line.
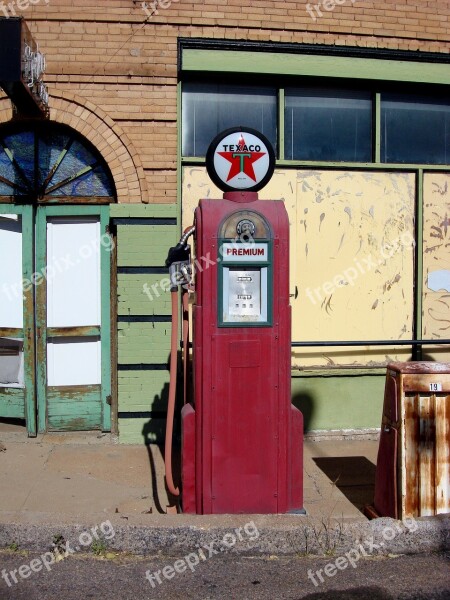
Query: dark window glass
x=328, y=125
x=415, y=129
x=11, y=362
x=66, y=165
x=208, y=109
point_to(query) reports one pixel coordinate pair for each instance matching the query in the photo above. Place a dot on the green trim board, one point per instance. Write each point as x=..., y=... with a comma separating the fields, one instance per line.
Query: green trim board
x=376, y=129
x=281, y=123
x=41, y=320
x=24, y=398
x=28, y=234
x=307, y=65
x=143, y=210
x=179, y=157
x=105, y=268
x=11, y=332
x=298, y=164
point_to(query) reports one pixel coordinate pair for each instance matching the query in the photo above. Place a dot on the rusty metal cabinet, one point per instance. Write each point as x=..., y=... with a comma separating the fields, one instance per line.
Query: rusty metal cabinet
x=413, y=473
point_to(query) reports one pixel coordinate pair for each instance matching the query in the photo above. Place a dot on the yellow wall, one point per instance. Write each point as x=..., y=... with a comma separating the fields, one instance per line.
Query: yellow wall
x=351, y=261
x=436, y=262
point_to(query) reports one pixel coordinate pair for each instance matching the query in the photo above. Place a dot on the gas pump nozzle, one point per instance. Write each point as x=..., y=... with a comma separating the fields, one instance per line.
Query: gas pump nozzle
x=179, y=262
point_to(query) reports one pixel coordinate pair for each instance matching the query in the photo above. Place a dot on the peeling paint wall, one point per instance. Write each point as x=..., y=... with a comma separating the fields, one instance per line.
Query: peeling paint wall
x=436, y=263
x=355, y=267
x=352, y=258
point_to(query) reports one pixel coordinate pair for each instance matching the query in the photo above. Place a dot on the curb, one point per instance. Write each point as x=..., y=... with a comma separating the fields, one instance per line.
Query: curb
x=253, y=536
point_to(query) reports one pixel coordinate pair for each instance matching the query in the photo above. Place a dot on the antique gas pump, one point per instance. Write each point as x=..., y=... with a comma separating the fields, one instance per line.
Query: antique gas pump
x=242, y=439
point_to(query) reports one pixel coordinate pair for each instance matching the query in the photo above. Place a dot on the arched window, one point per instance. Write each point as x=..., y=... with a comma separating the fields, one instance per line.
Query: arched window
x=49, y=162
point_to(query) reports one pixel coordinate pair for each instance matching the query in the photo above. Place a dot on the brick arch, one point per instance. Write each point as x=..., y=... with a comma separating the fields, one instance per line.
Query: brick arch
x=107, y=137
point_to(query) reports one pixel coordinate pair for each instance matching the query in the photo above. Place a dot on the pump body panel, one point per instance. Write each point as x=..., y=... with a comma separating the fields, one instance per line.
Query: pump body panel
x=246, y=444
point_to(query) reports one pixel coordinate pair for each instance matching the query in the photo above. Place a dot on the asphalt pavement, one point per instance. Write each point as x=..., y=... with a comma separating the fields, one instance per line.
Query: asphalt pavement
x=224, y=577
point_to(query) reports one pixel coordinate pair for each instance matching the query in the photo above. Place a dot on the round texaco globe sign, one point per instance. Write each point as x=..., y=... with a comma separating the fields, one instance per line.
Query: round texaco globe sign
x=240, y=159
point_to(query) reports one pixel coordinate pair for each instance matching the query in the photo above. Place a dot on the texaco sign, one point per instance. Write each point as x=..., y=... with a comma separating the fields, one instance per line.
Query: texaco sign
x=240, y=159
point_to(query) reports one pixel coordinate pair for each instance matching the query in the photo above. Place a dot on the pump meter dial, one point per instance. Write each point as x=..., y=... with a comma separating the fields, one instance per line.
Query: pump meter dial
x=246, y=227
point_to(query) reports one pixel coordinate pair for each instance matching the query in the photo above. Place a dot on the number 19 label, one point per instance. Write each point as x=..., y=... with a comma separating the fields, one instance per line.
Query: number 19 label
x=435, y=387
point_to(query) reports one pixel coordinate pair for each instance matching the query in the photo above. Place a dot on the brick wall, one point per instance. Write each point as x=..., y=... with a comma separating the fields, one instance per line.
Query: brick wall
x=125, y=63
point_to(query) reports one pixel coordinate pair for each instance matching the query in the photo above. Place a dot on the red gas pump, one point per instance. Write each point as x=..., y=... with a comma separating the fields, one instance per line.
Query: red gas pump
x=242, y=439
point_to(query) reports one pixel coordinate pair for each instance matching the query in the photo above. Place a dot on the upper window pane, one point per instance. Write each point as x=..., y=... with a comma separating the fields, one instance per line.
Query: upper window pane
x=208, y=109
x=328, y=125
x=415, y=129
x=51, y=160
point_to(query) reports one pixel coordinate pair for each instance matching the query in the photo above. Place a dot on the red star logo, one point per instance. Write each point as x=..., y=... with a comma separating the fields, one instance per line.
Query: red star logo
x=242, y=160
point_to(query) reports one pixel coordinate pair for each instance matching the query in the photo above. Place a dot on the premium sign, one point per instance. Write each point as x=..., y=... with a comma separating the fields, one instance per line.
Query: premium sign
x=240, y=159
x=233, y=252
x=22, y=66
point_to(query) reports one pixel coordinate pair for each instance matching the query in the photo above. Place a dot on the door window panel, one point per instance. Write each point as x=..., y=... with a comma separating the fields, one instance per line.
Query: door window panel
x=11, y=362
x=73, y=361
x=11, y=305
x=73, y=272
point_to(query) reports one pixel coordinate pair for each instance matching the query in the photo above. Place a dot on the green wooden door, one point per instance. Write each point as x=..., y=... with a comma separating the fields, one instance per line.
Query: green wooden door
x=17, y=347
x=73, y=360
x=55, y=191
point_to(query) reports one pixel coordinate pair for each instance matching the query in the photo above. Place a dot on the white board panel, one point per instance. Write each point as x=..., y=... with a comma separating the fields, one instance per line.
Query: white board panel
x=11, y=295
x=73, y=272
x=73, y=361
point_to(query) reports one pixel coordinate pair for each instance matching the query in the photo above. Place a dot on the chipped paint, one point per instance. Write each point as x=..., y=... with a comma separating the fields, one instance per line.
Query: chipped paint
x=344, y=219
x=439, y=281
x=436, y=262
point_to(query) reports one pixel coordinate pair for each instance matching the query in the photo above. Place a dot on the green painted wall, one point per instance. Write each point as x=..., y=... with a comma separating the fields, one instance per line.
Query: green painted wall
x=339, y=402
x=144, y=390
x=140, y=431
x=143, y=344
x=133, y=300
x=143, y=245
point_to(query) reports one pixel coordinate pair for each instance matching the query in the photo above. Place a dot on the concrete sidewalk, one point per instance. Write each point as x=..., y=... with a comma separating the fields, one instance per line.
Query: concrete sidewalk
x=66, y=483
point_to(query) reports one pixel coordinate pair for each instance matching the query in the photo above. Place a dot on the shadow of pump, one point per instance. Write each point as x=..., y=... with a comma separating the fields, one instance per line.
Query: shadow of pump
x=354, y=476
x=154, y=433
x=305, y=404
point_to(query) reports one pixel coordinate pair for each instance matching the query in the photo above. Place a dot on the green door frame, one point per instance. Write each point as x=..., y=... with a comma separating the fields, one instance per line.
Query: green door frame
x=28, y=393
x=43, y=212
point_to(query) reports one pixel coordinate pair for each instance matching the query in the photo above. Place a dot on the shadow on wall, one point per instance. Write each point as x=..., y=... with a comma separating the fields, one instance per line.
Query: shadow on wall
x=305, y=403
x=155, y=429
